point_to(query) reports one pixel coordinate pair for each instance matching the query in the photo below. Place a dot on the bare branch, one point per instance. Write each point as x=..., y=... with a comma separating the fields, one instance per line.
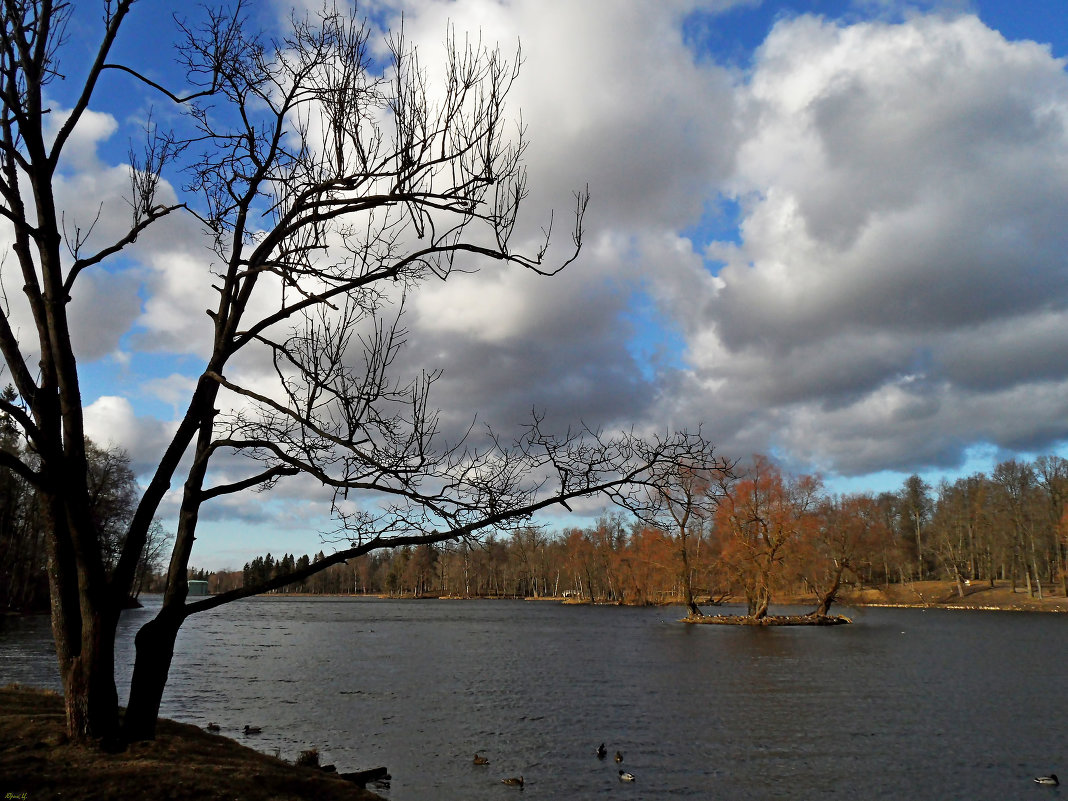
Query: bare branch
x=265, y=480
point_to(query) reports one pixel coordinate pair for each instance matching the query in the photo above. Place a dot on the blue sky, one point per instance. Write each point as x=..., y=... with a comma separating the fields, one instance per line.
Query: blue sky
x=829, y=231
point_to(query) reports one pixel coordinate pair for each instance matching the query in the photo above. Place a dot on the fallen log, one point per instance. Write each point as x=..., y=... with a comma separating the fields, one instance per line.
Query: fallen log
x=364, y=777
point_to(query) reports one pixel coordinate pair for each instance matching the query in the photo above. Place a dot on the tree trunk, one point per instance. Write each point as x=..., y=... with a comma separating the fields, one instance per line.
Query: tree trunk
x=87, y=670
x=154, y=642
x=827, y=598
x=1064, y=572
x=758, y=606
x=687, y=581
x=84, y=623
x=750, y=602
x=155, y=649
x=1034, y=565
x=761, y=610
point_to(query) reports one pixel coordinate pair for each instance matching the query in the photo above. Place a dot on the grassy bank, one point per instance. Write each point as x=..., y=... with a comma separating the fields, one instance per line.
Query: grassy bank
x=183, y=763
x=979, y=595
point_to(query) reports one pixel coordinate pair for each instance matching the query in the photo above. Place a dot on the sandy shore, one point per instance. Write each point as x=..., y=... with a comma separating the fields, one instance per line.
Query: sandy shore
x=979, y=595
x=184, y=763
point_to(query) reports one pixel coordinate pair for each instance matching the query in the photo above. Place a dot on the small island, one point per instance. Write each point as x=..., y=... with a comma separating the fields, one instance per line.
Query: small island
x=810, y=619
x=977, y=596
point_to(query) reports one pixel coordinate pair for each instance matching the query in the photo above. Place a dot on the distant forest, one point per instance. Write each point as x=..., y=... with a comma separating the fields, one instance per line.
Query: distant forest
x=752, y=537
x=764, y=535
x=23, y=552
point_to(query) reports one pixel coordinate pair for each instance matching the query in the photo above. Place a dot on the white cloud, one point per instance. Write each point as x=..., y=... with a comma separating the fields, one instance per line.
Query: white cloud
x=113, y=421
x=902, y=187
x=175, y=389
x=899, y=255
x=895, y=295
x=79, y=152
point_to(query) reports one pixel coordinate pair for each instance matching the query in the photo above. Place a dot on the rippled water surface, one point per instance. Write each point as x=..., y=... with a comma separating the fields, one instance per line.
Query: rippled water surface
x=906, y=704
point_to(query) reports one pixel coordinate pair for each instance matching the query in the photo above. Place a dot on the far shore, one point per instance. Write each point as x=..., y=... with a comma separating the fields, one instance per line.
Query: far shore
x=910, y=595
x=945, y=595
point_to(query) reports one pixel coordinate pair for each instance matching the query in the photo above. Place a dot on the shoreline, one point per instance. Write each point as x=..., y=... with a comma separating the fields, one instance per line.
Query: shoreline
x=183, y=763
x=944, y=595
x=914, y=595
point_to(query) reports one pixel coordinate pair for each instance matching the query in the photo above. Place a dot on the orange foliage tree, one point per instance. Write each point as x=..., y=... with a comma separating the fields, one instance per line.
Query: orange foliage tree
x=647, y=565
x=840, y=537
x=759, y=520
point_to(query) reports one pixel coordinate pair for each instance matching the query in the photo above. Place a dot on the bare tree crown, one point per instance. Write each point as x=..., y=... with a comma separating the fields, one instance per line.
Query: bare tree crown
x=329, y=186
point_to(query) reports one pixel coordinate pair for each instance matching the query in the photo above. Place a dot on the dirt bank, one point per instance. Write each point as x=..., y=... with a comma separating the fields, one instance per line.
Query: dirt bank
x=184, y=763
x=979, y=595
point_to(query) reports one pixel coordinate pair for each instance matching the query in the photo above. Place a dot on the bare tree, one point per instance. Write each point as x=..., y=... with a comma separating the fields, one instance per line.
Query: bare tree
x=685, y=500
x=1016, y=493
x=1052, y=472
x=761, y=518
x=847, y=531
x=961, y=529
x=329, y=189
x=915, y=498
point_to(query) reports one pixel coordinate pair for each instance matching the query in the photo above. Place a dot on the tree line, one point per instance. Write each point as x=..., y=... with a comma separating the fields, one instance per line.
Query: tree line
x=756, y=536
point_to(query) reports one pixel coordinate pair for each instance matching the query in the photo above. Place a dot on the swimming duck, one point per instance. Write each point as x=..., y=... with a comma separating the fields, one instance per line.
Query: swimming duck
x=625, y=776
x=252, y=729
x=515, y=781
x=1050, y=780
x=619, y=756
x=212, y=727
x=602, y=752
x=480, y=760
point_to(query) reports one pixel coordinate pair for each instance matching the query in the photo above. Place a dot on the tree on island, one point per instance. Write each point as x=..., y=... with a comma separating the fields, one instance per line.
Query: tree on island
x=329, y=189
x=837, y=542
x=684, y=503
x=760, y=520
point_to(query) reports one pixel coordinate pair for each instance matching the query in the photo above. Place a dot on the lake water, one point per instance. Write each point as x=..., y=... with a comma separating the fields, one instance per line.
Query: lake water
x=905, y=704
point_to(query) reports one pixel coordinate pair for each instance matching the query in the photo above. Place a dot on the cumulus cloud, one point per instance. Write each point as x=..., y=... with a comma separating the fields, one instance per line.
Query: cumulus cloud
x=900, y=273
x=894, y=293
x=613, y=99
x=897, y=270
x=94, y=214
x=112, y=421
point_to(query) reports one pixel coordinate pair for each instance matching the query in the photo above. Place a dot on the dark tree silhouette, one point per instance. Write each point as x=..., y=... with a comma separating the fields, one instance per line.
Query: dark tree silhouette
x=329, y=187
